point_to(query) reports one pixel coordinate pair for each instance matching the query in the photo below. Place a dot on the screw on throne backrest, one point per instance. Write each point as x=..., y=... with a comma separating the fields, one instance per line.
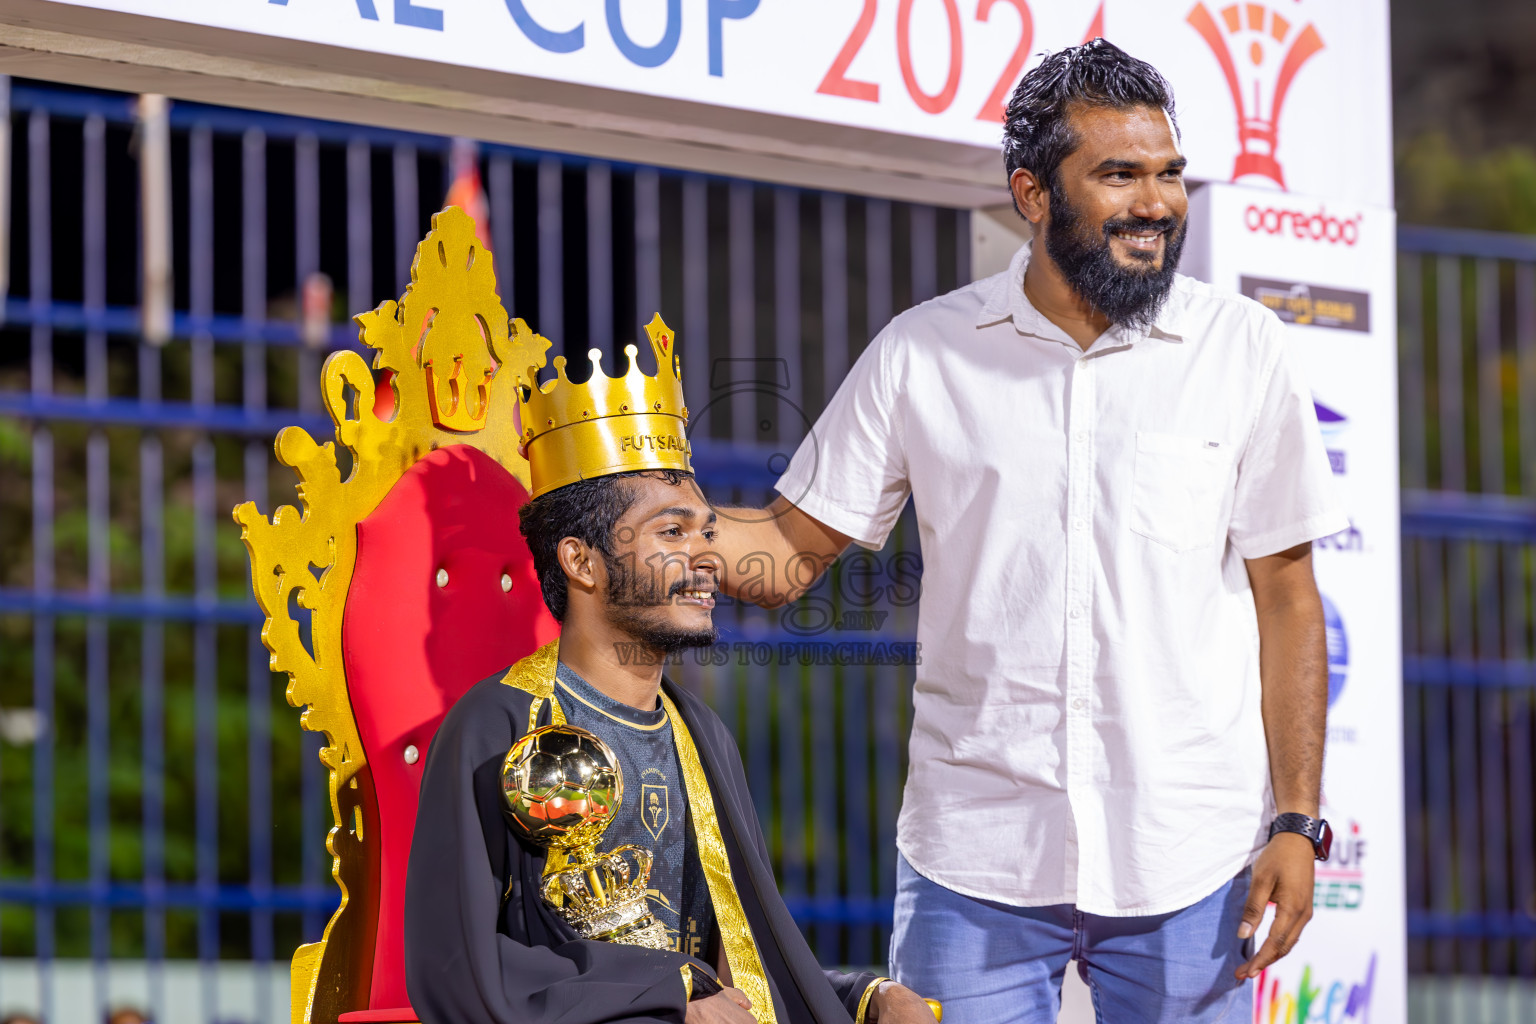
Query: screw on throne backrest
x=414, y=580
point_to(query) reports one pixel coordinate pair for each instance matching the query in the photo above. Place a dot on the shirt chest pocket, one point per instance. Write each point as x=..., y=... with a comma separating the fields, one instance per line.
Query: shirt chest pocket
x=1180, y=481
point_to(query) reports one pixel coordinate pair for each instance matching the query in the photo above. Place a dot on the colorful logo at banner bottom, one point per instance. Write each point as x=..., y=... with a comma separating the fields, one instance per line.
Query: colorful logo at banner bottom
x=1338, y=649
x=1314, y=1000
x=1340, y=883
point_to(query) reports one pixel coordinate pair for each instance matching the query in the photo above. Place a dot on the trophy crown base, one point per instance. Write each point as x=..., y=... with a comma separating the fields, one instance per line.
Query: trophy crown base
x=648, y=933
x=627, y=921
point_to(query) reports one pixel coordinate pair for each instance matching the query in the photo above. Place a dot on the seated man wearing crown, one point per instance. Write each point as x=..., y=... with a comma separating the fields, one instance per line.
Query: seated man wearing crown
x=622, y=541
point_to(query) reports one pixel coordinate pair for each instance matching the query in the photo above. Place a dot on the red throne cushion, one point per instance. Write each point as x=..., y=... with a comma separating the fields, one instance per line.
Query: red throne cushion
x=412, y=644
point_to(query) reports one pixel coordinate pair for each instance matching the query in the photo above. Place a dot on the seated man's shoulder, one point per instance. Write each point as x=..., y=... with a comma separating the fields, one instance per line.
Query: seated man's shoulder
x=491, y=707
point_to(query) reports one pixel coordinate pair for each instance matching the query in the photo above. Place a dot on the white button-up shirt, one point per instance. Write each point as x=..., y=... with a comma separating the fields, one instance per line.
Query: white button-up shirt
x=1087, y=726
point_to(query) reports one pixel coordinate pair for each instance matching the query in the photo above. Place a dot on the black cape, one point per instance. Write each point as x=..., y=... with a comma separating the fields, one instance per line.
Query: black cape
x=475, y=957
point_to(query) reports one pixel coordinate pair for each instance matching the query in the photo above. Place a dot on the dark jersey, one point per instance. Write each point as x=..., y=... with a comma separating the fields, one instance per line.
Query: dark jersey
x=654, y=814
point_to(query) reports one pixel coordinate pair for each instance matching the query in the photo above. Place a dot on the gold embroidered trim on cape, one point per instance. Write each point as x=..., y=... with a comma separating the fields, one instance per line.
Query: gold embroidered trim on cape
x=741, y=953
x=535, y=674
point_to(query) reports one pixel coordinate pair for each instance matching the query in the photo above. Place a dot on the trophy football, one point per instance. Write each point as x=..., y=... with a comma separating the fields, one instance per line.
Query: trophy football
x=563, y=786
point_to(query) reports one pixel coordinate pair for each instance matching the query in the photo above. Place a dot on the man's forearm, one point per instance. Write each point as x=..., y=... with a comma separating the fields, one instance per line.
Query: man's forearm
x=1293, y=668
x=770, y=556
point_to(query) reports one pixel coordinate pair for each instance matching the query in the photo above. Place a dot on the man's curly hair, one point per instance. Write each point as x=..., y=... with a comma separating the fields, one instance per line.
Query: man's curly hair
x=1036, y=132
x=587, y=510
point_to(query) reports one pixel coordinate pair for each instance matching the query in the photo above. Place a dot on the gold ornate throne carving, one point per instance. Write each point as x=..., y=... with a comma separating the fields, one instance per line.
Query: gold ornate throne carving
x=389, y=592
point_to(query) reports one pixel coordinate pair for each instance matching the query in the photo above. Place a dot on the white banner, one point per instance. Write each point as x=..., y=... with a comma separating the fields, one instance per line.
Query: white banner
x=1327, y=269
x=1287, y=94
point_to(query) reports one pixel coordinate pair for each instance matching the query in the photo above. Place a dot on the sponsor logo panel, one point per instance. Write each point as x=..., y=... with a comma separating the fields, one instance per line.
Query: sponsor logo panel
x=1333, y=425
x=1311, y=305
x=1340, y=883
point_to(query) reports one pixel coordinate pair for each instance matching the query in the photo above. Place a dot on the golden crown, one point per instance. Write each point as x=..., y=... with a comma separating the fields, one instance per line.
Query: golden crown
x=607, y=425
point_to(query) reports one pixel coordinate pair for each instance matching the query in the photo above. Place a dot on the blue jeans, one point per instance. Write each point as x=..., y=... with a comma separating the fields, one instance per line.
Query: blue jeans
x=990, y=963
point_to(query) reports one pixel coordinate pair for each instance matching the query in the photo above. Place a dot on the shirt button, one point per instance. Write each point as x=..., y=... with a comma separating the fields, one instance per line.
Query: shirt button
x=1076, y=613
x=1080, y=704
x=1081, y=436
x=1079, y=524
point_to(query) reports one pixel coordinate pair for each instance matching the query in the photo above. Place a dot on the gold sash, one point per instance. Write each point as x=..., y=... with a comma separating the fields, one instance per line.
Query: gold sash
x=741, y=953
x=535, y=674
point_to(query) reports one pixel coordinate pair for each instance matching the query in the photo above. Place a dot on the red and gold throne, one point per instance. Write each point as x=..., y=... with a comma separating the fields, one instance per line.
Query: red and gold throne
x=414, y=581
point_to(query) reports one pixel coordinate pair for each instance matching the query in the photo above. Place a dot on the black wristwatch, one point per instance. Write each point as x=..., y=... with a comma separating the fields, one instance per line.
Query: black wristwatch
x=1315, y=829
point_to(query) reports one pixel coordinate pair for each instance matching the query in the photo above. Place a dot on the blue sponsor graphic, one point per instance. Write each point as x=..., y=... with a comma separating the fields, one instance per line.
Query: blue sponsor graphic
x=1333, y=424
x=1338, y=649
x=1350, y=539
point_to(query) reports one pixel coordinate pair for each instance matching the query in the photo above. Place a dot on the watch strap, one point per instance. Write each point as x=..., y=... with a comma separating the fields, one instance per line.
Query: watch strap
x=1314, y=829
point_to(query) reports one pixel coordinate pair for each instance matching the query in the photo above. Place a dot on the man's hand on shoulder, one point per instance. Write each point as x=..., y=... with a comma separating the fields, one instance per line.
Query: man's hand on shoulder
x=728, y=1006
x=1283, y=875
x=897, y=1004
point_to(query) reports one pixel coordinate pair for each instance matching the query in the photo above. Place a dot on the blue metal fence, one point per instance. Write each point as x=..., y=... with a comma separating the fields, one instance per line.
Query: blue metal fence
x=1468, y=413
x=165, y=805
x=156, y=798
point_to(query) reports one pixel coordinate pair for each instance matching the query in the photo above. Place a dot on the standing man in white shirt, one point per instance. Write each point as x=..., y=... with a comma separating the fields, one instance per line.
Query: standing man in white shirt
x=1118, y=476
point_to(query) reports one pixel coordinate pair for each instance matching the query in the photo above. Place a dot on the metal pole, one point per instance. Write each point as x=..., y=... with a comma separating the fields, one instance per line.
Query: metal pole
x=40, y=253
x=877, y=270
x=257, y=455
x=834, y=294
x=648, y=251
x=360, y=294
x=696, y=294
x=499, y=197
x=1453, y=450
x=155, y=211
x=600, y=263
x=98, y=493
x=5, y=192
x=743, y=306
x=551, y=254
x=205, y=662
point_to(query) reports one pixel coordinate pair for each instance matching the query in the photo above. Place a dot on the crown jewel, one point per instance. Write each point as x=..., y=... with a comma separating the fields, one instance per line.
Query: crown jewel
x=606, y=425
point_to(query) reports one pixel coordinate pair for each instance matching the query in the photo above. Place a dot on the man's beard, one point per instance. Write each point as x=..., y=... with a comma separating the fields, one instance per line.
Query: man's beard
x=634, y=606
x=1131, y=296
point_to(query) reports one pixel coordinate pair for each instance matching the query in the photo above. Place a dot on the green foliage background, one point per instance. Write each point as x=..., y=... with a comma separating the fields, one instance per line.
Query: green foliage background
x=1445, y=185
x=124, y=645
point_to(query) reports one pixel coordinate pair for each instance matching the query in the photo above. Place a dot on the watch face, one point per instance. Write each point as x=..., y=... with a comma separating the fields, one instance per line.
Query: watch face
x=1324, y=840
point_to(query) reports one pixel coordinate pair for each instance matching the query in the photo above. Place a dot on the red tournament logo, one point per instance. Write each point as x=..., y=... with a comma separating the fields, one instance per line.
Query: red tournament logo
x=1259, y=52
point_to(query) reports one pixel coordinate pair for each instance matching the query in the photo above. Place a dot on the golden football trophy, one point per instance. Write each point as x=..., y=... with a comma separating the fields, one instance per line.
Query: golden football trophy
x=563, y=787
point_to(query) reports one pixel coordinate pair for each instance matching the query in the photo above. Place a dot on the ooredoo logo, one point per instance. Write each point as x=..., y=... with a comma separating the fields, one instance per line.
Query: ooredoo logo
x=1260, y=51
x=1319, y=226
